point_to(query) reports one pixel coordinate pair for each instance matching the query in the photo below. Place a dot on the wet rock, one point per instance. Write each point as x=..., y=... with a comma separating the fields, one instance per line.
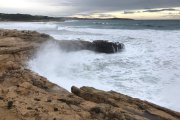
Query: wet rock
x=49, y=100
x=36, y=99
x=107, y=47
x=56, y=109
x=1, y=98
x=29, y=108
x=9, y=104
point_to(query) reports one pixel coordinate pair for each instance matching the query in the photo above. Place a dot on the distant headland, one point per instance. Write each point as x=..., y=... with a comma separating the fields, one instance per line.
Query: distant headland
x=28, y=17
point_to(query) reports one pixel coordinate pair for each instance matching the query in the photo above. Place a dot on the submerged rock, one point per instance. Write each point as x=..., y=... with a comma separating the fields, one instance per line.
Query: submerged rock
x=25, y=95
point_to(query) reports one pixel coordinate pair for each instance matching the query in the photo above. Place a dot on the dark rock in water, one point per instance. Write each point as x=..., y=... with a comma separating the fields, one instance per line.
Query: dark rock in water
x=101, y=46
x=107, y=47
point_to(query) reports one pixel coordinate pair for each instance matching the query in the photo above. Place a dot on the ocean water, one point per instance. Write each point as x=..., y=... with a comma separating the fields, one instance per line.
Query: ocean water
x=148, y=68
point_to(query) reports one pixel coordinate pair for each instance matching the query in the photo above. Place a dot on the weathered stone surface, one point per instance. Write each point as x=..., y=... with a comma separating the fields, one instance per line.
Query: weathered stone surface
x=113, y=105
x=25, y=95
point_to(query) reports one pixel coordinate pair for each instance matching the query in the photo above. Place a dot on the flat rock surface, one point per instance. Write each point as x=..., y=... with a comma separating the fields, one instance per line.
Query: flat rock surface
x=25, y=95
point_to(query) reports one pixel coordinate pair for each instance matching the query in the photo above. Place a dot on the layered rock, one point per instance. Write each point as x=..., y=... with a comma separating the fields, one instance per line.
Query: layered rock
x=115, y=106
x=25, y=95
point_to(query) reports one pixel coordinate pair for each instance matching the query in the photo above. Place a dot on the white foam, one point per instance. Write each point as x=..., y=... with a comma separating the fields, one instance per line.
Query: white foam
x=28, y=25
x=146, y=69
x=65, y=69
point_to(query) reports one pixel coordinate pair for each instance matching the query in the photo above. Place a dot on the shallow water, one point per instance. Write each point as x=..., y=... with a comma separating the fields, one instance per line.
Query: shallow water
x=148, y=68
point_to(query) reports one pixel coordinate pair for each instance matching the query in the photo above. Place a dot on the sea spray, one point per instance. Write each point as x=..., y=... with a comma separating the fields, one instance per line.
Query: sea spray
x=65, y=68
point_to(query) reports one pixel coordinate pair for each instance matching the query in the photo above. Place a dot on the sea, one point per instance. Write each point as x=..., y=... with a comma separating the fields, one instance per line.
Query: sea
x=148, y=68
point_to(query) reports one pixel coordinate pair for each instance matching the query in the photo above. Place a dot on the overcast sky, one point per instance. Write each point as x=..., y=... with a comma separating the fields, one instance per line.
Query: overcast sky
x=95, y=8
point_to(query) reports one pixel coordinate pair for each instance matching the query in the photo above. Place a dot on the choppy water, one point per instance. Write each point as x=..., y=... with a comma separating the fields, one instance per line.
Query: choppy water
x=148, y=68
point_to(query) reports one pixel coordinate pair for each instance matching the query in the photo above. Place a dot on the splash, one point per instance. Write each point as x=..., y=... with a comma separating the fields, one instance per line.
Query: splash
x=65, y=68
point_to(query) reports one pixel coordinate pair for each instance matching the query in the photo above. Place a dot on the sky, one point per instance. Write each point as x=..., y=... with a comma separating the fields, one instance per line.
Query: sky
x=135, y=9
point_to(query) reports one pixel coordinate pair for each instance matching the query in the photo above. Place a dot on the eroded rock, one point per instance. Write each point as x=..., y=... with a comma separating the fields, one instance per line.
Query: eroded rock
x=113, y=105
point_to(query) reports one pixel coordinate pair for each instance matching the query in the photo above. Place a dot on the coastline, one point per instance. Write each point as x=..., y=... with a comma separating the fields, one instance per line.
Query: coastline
x=26, y=95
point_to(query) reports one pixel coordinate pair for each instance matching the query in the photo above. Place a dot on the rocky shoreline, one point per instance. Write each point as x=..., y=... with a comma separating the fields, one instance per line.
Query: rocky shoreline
x=25, y=95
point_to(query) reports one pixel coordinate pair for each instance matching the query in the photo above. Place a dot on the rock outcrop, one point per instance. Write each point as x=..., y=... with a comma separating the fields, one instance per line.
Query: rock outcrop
x=115, y=106
x=107, y=47
x=100, y=46
x=25, y=95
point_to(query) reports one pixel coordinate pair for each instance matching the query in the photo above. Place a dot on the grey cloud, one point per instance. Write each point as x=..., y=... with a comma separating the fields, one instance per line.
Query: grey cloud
x=98, y=15
x=129, y=12
x=105, y=16
x=74, y=7
x=88, y=6
x=171, y=16
x=160, y=10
